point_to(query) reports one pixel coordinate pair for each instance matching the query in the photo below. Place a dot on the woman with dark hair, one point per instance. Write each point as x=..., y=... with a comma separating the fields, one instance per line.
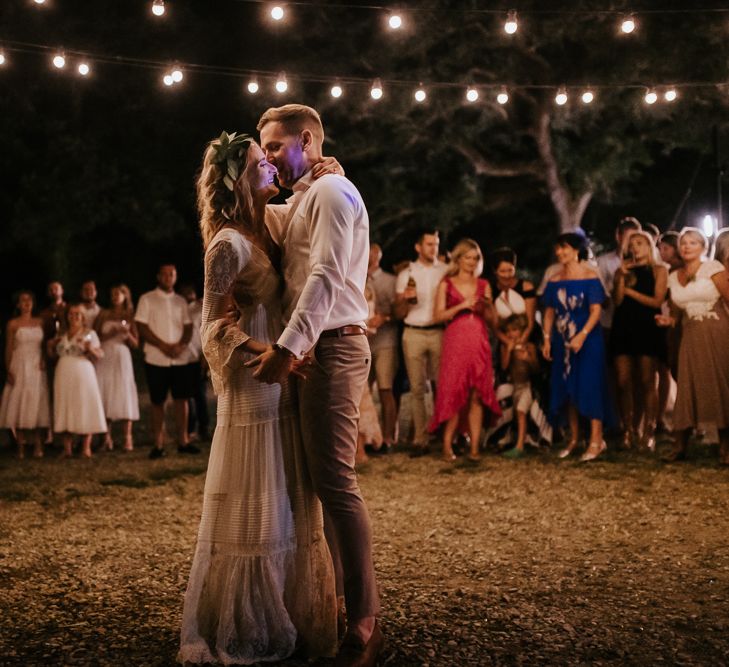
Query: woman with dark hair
x=699, y=291
x=512, y=295
x=24, y=408
x=574, y=343
x=668, y=250
x=118, y=334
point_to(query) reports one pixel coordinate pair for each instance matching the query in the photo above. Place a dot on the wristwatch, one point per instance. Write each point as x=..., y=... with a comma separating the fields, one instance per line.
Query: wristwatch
x=283, y=350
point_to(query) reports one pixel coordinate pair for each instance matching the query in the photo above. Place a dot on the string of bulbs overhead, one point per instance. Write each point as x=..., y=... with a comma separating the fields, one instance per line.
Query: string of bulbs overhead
x=173, y=75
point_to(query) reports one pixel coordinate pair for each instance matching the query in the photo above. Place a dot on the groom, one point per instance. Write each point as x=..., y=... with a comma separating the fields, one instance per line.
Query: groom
x=325, y=244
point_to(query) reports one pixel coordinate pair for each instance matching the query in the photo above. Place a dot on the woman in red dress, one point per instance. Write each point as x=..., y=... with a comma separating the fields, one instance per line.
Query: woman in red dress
x=466, y=376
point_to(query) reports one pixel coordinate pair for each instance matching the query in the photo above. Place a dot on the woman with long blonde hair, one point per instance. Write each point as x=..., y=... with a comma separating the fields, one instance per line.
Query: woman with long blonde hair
x=466, y=376
x=262, y=580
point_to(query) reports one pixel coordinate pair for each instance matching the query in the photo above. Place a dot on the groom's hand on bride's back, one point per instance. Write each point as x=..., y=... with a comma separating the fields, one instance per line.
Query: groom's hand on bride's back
x=272, y=366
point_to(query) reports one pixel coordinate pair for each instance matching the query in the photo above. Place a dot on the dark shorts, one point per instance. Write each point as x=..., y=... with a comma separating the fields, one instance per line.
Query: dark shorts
x=164, y=379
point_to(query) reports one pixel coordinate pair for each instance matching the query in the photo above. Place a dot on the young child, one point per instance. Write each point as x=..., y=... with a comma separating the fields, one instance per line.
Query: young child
x=520, y=360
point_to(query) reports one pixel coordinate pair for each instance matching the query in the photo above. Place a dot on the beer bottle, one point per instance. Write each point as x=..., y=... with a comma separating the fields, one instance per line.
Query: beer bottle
x=411, y=285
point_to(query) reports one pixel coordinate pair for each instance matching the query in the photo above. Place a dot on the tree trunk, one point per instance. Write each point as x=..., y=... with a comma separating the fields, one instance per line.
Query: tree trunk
x=569, y=208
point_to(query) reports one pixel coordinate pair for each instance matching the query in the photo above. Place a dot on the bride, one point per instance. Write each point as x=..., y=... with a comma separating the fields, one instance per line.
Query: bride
x=262, y=581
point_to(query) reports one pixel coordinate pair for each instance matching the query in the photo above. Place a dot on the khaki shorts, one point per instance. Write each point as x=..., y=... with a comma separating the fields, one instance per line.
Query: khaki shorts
x=385, y=363
x=522, y=397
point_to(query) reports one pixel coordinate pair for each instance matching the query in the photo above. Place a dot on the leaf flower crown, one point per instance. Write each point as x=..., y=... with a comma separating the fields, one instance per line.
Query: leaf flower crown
x=230, y=150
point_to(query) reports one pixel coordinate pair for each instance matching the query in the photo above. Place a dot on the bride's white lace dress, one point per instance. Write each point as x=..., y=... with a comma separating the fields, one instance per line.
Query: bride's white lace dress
x=262, y=581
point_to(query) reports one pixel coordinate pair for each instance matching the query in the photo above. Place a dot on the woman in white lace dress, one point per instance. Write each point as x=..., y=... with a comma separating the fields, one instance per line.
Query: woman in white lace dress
x=262, y=580
x=696, y=292
x=24, y=408
x=115, y=371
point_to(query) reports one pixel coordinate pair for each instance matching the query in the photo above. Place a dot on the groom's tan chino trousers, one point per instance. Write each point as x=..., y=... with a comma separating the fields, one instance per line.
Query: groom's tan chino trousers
x=329, y=408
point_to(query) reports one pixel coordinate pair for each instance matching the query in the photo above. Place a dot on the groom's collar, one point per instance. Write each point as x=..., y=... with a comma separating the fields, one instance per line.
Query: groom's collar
x=302, y=185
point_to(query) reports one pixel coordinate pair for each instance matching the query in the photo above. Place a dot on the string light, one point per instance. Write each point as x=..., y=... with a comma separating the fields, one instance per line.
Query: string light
x=376, y=90
x=59, y=61
x=84, y=69
x=670, y=95
x=651, y=97
x=503, y=97
x=336, y=91
x=587, y=97
x=511, y=25
x=281, y=84
x=561, y=97
x=628, y=25
x=158, y=7
x=420, y=95
x=2, y=58
x=471, y=94
x=168, y=80
x=252, y=86
x=176, y=75
x=39, y=2
x=277, y=13
x=395, y=21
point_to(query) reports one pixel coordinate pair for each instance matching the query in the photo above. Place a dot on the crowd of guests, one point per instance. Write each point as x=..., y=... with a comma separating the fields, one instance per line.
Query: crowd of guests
x=70, y=372
x=494, y=360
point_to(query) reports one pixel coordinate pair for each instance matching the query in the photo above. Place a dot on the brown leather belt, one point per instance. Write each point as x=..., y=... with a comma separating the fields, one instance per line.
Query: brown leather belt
x=348, y=330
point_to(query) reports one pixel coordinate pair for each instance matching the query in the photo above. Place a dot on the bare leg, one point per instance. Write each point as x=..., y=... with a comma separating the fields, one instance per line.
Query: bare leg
x=181, y=414
x=20, y=437
x=158, y=419
x=647, y=370
x=108, y=442
x=360, y=456
x=574, y=422
x=389, y=415
x=624, y=381
x=475, y=423
x=597, y=444
x=449, y=431
x=127, y=428
x=521, y=425
x=37, y=436
x=86, y=445
x=67, y=445
x=664, y=389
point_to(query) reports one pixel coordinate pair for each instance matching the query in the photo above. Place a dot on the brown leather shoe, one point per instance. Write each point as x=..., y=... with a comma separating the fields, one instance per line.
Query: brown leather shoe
x=353, y=653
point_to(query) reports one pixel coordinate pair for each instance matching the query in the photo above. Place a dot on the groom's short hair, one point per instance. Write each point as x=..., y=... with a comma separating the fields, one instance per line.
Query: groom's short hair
x=295, y=118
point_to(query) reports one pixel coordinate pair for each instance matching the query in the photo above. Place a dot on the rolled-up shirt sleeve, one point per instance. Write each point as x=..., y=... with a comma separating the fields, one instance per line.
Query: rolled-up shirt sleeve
x=330, y=216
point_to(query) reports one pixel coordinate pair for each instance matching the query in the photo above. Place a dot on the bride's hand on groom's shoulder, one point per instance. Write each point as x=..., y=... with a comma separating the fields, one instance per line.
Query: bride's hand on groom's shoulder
x=328, y=165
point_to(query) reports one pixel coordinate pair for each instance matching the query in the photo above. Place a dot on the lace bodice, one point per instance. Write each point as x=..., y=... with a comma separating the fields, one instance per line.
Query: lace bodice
x=75, y=346
x=237, y=271
x=699, y=296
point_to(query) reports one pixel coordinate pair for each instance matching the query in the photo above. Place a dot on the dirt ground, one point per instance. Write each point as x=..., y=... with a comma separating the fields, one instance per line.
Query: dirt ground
x=536, y=561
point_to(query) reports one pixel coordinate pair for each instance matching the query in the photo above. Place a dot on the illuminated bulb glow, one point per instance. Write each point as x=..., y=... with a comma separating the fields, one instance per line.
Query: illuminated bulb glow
x=420, y=95
x=471, y=94
x=39, y=2
x=650, y=97
x=168, y=80
x=336, y=91
x=158, y=7
x=376, y=93
x=176, y=75
x=511, y=26
x=252, y=87
x=281, y=85
x=709, y=225
x=277, y=13
x=2, y=58
x=587, y=97
x=628, y=26
x=670, y=95
x=59, y=62
x=83, y=69
x=502, y=97
x=561, y=97
x=395, y=21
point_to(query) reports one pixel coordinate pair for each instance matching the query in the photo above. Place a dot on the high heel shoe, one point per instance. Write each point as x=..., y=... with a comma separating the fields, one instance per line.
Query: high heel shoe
x=648, y=441
x=593, y=451
x=564, y=453
x=627, y=440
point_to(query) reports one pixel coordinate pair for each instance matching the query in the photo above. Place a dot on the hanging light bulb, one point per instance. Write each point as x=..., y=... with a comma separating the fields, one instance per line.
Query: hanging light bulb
x=158, y=7
x=39, y=2
x=252, y=86
x=84, y=69
x=376, y=90
x=503, y=96
x=420, y=95
x=2, y=58
x=628, y=25
x=670, y=95
x=651, y=97
x=561, y=97
x=168, y=80
x=277, y=13
x=59, y=61
x=511, y=25
x=395, y=21
x=336, y=91
x=281, y=84
x=587, y=97
x=176, y=75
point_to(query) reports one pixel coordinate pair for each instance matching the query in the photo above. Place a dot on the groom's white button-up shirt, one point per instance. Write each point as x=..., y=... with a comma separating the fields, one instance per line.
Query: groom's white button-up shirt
x=325, y=244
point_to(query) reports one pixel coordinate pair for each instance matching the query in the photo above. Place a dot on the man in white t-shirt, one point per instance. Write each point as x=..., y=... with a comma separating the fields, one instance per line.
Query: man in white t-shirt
x=165, y=327
x=421, y=341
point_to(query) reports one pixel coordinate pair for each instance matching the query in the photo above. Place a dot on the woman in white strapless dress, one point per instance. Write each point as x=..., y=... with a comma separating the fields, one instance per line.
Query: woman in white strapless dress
x=77, y=407
x=24, y=408
x=115, y=371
